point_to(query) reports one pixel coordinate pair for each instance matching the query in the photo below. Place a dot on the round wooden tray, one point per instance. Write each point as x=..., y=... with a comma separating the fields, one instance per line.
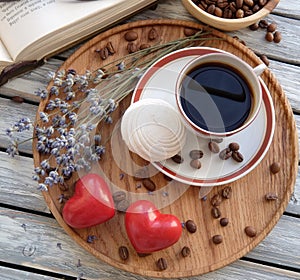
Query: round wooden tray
x=247, y=206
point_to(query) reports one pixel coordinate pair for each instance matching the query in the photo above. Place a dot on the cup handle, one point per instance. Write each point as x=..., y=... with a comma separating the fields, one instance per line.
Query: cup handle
x=259, y=69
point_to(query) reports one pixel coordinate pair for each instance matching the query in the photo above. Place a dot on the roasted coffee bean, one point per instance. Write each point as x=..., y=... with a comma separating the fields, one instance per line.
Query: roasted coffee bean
x=234, y=146
x=132, y=47
x=189, y=31
x=185, y=251
x=213, y=147
x=152, y=35
x=17, y=99
x=141, y=173
x=217, y=239
x=123, y=253
x=215, y=212
x=110, y=48
x=269, y=36
x=162, y=264
x=118, y=196
x=263, y=23
x=239, y=13
x=144, y=46
x=250, y=231
x=224, y=222
x=211, y=9
x=275, y=167
x=222, y=4
x=272, y=27
x=216, y=200
x=265, y=59
x=271, y=196
x=237, y=156
x=249, y=3
x=104, y=53
x=225, y=154
x=255, y=8
x=254, y=26
x=227, y=192
x=195, y=163
x=196, y=154
x=218, y=12
x=190, y=226
x=149, y=184
x=227, y=13
x=277, y=37
x=130, y=36
x=262, y=2
x=122, y=205
x=177, y=158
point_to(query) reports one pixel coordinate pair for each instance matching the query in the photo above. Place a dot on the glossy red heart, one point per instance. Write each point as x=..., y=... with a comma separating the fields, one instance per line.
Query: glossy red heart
x=150, y=230
x=91, y=204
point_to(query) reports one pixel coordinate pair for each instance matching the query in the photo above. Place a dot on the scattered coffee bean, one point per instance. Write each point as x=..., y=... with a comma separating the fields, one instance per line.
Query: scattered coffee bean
x=227, y=192
x=144, y=46
x=196, y=154
x=131, y=36
x=237, y=156
x=177, y=158
x=141, y=173
x=17, y=99
x=216, y=200
x=254, y=26
x=195, y=163
x=213, y=147
x=122, y=205
x=234, y=146
x=271, y=196
x=250, y=231
x=162, y=264
x=263, y=23
x=269, y=36
x=132, y=47
x=225, y=154
x=217, y=239
x=265, y=59
x=118, y=196
x=224, y=222
x=104, y=53
x=185, y=251
x=152, y=35
x=275, y=167
x=189, y=32
x=190, y=226
x=277, y=37
x=149, y=184
x=110, y=47
x=272, y=27
x=123, y=253
x=216, y=212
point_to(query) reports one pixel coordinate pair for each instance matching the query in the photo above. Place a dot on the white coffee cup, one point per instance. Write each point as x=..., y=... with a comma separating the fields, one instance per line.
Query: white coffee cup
x=218, y=94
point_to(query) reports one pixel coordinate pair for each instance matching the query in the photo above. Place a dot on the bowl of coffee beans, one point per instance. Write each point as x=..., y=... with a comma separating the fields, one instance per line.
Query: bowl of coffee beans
x=229, y=15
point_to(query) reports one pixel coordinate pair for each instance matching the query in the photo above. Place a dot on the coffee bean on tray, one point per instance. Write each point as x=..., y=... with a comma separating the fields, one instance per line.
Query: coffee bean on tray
x=123, y=253
x=275, y=167
x=185, y=251
x=217, y=239
x=250, y=231
x=191, y=226
x=130, y=36
x=162, y=264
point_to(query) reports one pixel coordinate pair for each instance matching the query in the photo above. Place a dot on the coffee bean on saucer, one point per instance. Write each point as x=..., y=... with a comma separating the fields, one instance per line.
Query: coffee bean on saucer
x=162, y=264
x=275, y=167
x=234, y=146
x=225, y=154
x=196, y=154
x=190, y=226
x=213, y=147
x=250, y=231
x=195, y=163
x=177, y=158
x=237, y=156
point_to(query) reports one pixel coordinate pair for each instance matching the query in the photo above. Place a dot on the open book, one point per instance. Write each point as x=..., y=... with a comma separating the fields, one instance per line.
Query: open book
x=31, y=30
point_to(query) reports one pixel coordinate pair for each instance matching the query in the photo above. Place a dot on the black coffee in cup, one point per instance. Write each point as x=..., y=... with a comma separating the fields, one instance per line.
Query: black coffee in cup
x=216, y=97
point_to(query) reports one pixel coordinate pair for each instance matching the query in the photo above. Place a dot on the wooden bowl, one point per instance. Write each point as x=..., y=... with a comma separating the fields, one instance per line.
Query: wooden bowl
x=228, y=24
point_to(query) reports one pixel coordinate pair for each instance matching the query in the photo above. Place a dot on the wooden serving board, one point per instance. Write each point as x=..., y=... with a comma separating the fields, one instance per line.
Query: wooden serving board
x=246, y=207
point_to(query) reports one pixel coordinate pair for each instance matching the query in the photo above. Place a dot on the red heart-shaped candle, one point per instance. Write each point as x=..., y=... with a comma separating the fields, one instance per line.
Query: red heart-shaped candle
x=91, y=204
x=150, y=230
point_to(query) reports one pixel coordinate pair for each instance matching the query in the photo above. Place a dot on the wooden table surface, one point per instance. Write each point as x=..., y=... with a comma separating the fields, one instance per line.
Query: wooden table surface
x=33, y=245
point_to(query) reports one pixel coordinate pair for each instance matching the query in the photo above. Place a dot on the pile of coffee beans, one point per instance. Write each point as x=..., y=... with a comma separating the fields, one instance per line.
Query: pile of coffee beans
x=231, y=9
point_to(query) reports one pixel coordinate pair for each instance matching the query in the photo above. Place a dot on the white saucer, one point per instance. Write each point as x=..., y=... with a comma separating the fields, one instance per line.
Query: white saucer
x=159, y=82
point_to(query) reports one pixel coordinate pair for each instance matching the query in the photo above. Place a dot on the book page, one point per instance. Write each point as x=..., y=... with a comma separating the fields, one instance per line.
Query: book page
x=23, y=22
